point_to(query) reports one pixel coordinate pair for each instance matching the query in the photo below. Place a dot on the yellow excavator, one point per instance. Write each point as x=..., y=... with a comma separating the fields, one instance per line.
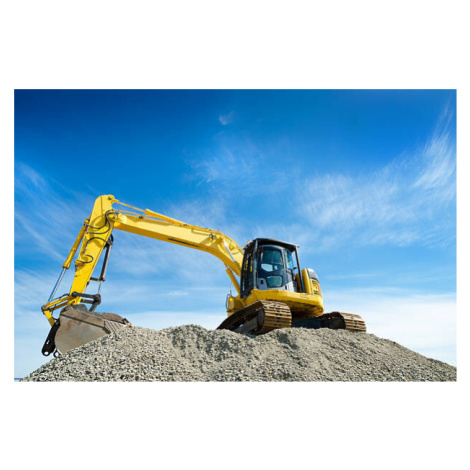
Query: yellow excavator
x=273, y=291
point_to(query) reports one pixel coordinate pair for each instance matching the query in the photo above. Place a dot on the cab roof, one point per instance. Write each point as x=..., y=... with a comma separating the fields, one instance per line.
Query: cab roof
x=272, y=241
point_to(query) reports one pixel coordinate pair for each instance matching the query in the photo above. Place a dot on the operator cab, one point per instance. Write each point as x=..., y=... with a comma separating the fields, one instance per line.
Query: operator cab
x=270, y=264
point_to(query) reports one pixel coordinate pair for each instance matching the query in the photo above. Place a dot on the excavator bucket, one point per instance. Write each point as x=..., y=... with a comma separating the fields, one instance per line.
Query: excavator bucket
x=78, y=326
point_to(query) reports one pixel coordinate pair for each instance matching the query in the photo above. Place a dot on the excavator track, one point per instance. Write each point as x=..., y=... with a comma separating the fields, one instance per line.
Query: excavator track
x=353, y=322
x=334, y=321
x=259, y=318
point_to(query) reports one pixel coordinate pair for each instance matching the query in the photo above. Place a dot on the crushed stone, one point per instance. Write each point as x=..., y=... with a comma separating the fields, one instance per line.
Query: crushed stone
x=192, y=353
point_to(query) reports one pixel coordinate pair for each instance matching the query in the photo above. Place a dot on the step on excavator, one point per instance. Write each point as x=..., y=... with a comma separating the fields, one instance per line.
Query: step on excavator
x=272, y=290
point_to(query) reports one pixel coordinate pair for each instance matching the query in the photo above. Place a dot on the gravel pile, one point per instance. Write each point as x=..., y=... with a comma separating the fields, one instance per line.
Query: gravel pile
x=192, y=353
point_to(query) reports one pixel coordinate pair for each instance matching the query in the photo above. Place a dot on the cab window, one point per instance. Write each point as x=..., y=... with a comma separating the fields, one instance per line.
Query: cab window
x=271, y=260
x=290, y=261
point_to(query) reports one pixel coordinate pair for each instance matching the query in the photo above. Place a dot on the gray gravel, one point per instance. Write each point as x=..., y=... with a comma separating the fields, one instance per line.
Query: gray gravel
x=192, y=353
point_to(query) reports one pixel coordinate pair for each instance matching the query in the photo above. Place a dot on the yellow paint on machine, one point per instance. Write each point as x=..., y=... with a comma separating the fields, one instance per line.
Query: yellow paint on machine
x=302, y=305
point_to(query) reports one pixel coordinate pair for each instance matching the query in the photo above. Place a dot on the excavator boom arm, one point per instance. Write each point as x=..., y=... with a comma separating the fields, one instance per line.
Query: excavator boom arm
x=95, y=236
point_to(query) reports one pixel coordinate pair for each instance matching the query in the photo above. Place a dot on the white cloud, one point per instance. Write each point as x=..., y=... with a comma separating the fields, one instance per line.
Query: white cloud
x=32, y=289
x=409, y=200
x=226, y=119
x=224, y=170
x=204, y=213
x=404, y=202
x=438, y=163
x=30, y=181
x=238, y=166
x=25, y=225
x=47, y=213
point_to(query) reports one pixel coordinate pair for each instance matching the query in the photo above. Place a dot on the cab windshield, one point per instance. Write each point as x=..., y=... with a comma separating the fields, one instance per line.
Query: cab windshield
x=271, y=260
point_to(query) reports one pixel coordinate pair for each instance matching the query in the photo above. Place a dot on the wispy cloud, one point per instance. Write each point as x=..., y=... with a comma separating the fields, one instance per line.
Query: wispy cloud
x=32, y=289
x=48, y=215
x=408, y=200
x=30, y=179
x=438, y=164
x=139, y=257
x=39, y=237
x=226, y=119
x=238, y=165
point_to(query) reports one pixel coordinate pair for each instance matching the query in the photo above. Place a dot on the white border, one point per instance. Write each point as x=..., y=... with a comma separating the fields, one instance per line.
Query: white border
x=234, y=45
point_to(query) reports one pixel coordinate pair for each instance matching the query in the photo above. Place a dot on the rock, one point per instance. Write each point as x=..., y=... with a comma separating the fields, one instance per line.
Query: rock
x=191, y=353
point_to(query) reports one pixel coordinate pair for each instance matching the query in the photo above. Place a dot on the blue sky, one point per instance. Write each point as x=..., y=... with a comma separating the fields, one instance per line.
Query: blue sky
x=364, y=181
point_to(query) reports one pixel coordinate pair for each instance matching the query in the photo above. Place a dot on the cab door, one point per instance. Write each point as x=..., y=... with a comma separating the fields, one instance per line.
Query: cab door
x=271, y=268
